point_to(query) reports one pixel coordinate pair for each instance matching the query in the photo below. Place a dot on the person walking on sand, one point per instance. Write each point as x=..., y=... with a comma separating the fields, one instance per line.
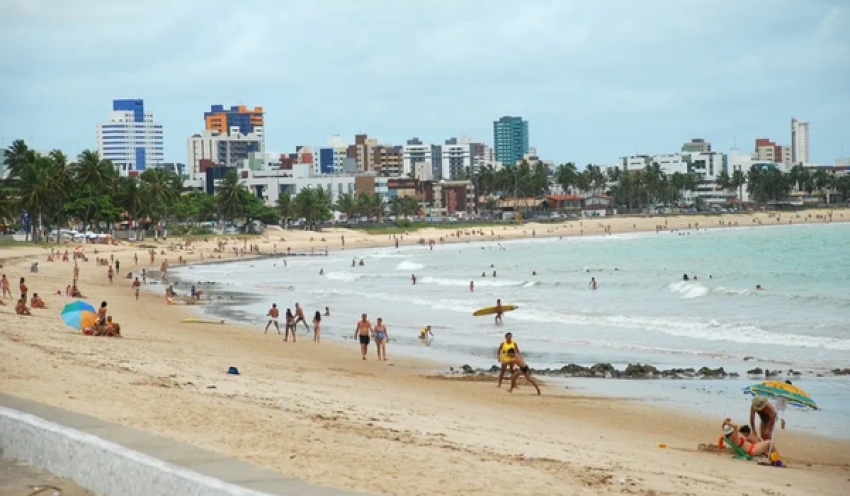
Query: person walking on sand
x=499, y=312
x=381, y=339
x=290, y=326
x=4, y=286
x=136, y=286
x=273, y=314
x=299, y=317
x=363, y=333
x=317, y=326
x=504, y=359
x=24, y=289
x=516, y=359
x=110, y=273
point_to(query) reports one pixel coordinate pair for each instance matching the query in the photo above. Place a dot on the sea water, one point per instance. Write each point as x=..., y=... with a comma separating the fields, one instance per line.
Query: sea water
x=643, y=311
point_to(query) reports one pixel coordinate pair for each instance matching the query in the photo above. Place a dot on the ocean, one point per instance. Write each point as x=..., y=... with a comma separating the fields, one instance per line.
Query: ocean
x=642, y=311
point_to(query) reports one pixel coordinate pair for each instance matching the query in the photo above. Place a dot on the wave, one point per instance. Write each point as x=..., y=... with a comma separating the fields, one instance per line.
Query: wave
x=465, y=282
x=688, y=289
x=712, y=330
x=343, y=276
x=408, y=265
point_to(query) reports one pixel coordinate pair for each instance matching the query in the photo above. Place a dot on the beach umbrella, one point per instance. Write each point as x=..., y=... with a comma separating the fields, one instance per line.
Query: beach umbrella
x=79, y=314
x=783, y=394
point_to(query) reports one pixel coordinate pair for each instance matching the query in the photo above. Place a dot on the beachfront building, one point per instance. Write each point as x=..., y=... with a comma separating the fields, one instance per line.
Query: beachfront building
x=418, y=159
x=239, y=119
x=768, y=151
x=696, y=145
x=799, y=142
x=448, y=198
x=131, y=138
x=215, y=148
x=510, y=139
x=457, y=158
x=363, y=152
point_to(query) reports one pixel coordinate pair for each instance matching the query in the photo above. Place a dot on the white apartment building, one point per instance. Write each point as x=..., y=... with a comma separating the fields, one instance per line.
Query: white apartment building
x=456, y=159
x=131, y=139
x=799, y=142
x=222, y=149
x=416, y=156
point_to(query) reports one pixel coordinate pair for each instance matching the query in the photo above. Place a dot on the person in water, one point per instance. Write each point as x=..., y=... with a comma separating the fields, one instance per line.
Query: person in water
x=592, y=283
x=381, y=338
x=516, y=359
x=744, y=440
x=503, y=357
x=317, y=326
x=767, y=417
x=425, y=334
x=499, y=312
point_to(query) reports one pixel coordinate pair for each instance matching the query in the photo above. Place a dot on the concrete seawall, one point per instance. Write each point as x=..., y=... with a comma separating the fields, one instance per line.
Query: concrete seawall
x=113, y=460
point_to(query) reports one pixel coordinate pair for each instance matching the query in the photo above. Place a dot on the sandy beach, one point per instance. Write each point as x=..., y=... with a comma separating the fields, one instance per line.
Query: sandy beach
x=319, y=413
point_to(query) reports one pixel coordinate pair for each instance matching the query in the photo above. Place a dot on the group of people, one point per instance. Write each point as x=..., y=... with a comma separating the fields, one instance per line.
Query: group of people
x=292, y=321
x=21, y=307
x=103, y=324
x=751, y=440
x=510, y=359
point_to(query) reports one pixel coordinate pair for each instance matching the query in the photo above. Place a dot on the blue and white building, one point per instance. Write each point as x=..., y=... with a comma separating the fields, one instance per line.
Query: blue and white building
x=131, y=138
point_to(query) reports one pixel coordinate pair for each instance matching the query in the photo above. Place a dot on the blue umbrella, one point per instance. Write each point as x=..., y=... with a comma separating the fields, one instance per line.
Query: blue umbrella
x=76, y=313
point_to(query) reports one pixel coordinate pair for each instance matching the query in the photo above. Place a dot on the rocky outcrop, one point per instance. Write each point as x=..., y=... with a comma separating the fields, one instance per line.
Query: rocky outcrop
x=645, y=371
x=844, y=371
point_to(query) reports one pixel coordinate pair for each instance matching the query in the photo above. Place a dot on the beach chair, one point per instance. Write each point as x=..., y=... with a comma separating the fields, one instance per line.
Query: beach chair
x=739, y=453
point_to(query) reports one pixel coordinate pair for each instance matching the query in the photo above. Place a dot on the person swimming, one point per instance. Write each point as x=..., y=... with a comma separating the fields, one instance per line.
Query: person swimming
x=425, y=334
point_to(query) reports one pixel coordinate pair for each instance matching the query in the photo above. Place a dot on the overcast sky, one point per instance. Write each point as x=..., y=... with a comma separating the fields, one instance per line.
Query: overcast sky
x=595, y=79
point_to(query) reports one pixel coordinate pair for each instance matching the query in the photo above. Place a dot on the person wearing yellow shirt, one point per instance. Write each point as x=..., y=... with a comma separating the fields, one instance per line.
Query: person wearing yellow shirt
x=502, y=355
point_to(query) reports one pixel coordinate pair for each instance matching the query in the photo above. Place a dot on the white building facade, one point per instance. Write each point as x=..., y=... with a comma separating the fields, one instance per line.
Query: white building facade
x=221, y=149
x=799, y=142
x=131, y=139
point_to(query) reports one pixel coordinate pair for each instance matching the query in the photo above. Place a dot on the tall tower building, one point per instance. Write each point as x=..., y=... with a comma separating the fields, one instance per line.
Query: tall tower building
x=131, y=138
x=237, y=119
x=510, y=139
x=799, y=142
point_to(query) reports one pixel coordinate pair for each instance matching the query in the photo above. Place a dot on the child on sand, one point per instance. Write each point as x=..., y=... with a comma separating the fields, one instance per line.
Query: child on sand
x=515, y=358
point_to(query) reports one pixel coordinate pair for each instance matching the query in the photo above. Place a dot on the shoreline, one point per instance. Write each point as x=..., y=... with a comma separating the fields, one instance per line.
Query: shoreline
x=313, y=411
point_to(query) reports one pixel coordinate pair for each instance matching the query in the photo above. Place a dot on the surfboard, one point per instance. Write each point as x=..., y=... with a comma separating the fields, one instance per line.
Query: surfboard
x=492, y=310
x=192, y=320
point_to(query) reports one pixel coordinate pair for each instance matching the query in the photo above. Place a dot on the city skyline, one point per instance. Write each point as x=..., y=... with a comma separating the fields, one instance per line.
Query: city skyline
x=592, y=86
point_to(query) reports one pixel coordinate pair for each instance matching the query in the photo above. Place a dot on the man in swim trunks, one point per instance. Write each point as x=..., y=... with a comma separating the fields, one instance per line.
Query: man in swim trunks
x=767, y=417
x=136, y=285
x=299, y=316
x=499, y=312
x=504, y=358
x=743, y=441
x=273, y=314
x=363, y=333
x=516, y=358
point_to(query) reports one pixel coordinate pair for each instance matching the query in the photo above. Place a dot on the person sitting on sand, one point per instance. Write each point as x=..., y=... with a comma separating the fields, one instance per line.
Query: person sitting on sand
x=75, y=293
x=21, y=307
x=515, y=358
x=169, y=295
x=744, y=441
x=37, y=302
x=112, y=328
x=767, y=417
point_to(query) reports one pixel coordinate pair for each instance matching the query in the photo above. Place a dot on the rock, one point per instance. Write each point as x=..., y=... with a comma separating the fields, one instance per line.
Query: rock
x=638, y=370
x=467, y=369
x=748, y=358
x=604, y=370
x=734, y=374
x=845, y=371
x=772, y=373
x=707, y=372
x=756, y=371
x=794, y=372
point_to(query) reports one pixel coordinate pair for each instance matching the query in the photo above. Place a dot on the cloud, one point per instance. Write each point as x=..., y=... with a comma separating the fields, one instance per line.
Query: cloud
x=435, y=68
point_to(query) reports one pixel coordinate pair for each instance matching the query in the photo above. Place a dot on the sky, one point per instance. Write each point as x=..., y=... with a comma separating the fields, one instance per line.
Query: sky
x=596, y=80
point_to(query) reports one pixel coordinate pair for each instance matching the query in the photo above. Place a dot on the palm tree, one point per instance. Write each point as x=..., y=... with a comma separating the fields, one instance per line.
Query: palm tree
x=160, y=193
x=38, y=189
x=95, y=175
x=566, y=176
x=18, y=155
x=285, y=209
x=346, y=204
x=231, y=196
x=739, y=179
x=313, y=205
x=7, y=204
x=131, y=197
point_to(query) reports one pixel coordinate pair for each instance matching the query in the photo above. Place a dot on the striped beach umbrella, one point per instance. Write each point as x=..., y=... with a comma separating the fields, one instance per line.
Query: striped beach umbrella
x=79, y=314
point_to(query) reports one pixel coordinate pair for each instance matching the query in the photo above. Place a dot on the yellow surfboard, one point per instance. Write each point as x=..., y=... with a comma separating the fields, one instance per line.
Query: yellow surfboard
x=492, y=310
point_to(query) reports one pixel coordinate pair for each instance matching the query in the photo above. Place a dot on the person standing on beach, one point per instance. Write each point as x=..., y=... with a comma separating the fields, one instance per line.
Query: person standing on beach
x=363, y=333
x=471, y=286
x=273, y=314
x=381, y=339
x=499, y=312
x=24, y=289
x=767, y=417
x=317, y=326
x=4, y=287
x=299, y=317
x=516, y=359
x=504, y=359
x=110, y=273
x=136, y=285
x=290, y=326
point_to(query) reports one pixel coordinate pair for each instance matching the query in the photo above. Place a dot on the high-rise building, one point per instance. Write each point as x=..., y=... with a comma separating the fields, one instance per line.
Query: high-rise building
x=510, y=139
x=238, y=118
x=768, y=151
x=696, y=145
x=457, y=158
x=799, y=142
x=131, y=138
x=213, y=148
x=363, y=152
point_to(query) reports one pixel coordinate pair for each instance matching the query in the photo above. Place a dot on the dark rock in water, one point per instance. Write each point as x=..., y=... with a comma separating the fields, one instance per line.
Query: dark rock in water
x=845, y=371
x=734, y=374
x=756, y=371
x=794, y=372
x=748, y=358
x=772, y=373
x=638, y=370
x=467, y=369
x=707, y=372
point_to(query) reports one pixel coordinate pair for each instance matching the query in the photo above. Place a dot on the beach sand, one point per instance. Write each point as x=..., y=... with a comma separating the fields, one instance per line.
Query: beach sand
x=321, y=414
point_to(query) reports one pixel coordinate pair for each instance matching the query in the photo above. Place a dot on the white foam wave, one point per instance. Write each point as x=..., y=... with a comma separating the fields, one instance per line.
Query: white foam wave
x=464, y=282
x=689, y=290
x=529, y=284
x=408, y=265
x=343, y=276
x=736, y=332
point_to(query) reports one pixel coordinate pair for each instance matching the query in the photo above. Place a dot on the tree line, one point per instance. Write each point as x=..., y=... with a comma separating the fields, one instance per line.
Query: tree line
x=43, y=192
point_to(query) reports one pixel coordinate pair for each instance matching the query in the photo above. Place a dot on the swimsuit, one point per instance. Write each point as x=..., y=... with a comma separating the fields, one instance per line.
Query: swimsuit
x=524, y=370
x=364, y=339
x=380, y=335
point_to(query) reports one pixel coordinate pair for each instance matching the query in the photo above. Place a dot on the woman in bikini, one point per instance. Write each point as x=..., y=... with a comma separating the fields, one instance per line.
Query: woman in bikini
x=317, y=326
x=733, y=432
x=101, y=314
x=381, y=338
x=290, y=325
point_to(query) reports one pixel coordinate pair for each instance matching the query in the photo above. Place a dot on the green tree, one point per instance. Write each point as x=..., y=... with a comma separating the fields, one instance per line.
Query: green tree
x=95, y=176
x=347, y=205
x=313, y=205
x=566, y=176
x=231, y=196
x=285, y=209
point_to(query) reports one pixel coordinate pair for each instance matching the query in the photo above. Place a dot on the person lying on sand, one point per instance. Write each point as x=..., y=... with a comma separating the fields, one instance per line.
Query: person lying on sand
x=37, y=302
x=515, y=358
x=745, y=440
x=21, y=307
